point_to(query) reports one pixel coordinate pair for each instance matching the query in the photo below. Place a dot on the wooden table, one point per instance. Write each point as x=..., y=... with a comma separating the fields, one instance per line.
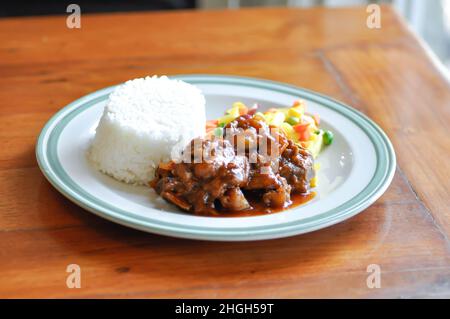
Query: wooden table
x=385, y=73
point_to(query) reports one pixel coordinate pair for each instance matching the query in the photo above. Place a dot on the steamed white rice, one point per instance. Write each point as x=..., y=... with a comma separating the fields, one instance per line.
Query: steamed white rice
x=142, y=123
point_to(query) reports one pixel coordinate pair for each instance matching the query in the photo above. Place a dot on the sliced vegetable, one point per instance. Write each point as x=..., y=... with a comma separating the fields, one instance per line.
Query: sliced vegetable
x=296, y=111
x=297, y=103
x=238, y=105
x=293, y=120
x=313, y=182
x=277, y=119
x=253, y=109
x=289, y=131
x=224, y=120
x=304, y=136
x=328, y=137
x=242, y=109
x=316, y=145
x=260, y=116
x=284, y=110
x=210, y=125
x=316, y=118
x=218, y=131
x=212, y=122
x=300, y=128
x=234, y=111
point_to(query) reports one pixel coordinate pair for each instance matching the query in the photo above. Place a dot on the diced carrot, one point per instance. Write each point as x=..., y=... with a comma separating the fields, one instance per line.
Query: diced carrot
x=300, y=128
x=304, y=136
x=316, y=118
x=243, y=110
x=212, y=122
x=298, y=103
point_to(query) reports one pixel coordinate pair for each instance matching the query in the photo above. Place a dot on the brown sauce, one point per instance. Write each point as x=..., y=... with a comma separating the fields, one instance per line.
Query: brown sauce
x=258, y=207
x=232, y=183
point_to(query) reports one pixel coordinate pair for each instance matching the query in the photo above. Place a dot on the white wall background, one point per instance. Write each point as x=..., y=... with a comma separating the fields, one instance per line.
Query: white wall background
x=430, y=19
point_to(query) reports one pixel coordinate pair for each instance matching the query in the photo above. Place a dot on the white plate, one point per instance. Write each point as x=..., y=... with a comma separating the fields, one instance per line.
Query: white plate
x=355, y=170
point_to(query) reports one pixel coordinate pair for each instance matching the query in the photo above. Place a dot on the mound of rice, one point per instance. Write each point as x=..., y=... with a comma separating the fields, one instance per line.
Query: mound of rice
x=142, y=123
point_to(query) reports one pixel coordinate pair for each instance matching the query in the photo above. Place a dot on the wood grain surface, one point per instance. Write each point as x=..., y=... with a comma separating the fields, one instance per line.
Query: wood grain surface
x=385, y=73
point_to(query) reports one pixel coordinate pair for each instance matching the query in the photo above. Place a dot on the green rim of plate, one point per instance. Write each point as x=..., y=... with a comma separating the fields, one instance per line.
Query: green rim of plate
x=46, y=153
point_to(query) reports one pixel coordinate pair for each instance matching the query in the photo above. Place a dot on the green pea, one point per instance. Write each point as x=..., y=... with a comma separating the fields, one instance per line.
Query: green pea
x=293, y=120
x=221, y=124
x=328, y=137
x=218, y=131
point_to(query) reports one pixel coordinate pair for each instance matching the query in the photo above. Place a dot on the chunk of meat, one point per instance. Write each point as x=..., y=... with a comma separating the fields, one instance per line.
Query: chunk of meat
x=202, y=184
x=296, y=165
x=279, y=197
x=217, y=174
x=234, y=200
